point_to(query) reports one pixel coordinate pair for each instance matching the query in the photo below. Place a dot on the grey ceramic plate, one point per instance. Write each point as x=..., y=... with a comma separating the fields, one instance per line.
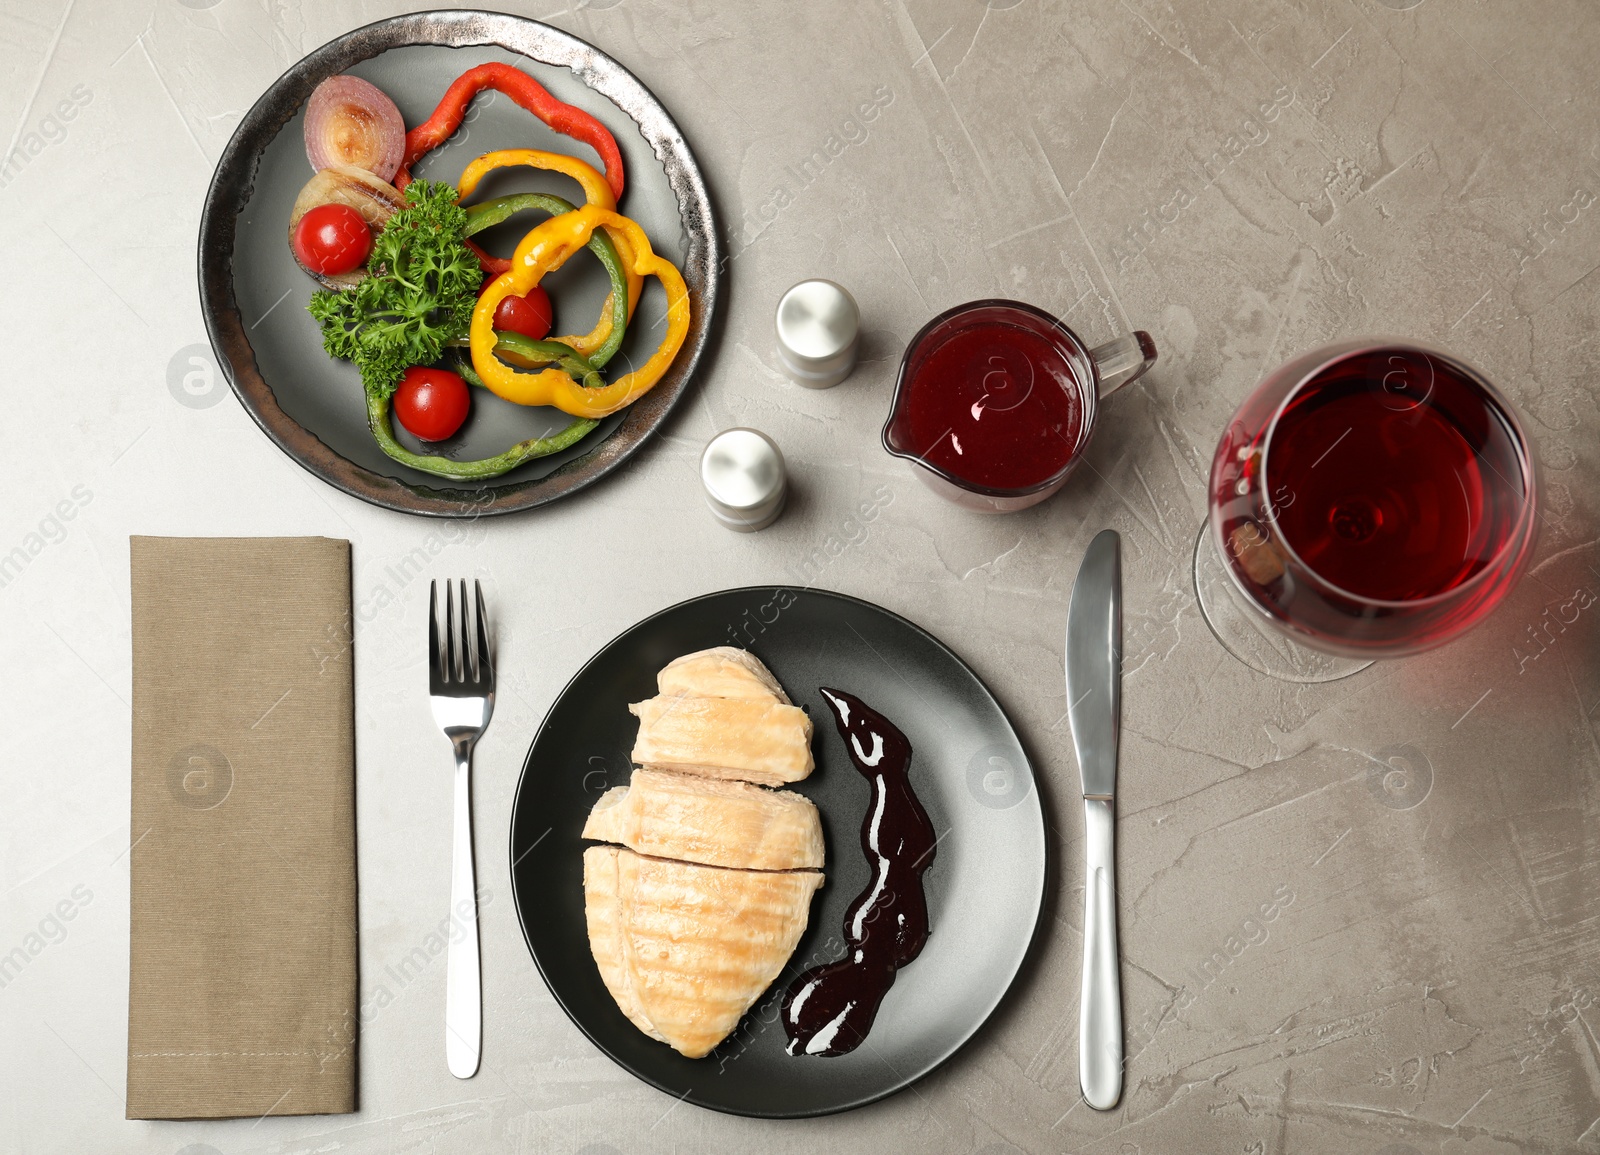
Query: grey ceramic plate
x=985, y=887
x=253, y=294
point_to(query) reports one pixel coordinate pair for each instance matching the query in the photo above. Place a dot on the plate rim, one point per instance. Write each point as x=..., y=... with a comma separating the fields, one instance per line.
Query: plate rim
x=234, y=178
x=902, y=1082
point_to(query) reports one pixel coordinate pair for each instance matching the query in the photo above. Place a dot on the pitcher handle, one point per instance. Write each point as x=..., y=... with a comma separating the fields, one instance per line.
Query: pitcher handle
x=1123, y=360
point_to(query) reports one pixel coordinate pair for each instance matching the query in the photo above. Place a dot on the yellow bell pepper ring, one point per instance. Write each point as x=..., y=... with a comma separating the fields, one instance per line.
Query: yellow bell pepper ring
x=596, y=190
x=545, y=249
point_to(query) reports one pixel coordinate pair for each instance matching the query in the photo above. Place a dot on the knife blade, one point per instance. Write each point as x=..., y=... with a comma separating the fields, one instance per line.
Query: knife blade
x=1094, y=658
x=1094, y=706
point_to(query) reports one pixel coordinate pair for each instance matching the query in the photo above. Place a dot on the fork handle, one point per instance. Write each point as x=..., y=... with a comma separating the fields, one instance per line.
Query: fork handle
x=463, y=999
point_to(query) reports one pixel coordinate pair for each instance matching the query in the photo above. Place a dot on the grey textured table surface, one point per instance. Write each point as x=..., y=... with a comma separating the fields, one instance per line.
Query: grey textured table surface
x=1244, y=178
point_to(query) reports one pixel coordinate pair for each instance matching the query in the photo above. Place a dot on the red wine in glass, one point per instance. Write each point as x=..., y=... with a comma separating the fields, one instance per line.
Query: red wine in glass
x=1373, y=500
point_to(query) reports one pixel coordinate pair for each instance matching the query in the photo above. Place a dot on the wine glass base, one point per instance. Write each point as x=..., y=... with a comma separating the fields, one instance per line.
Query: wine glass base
x=1246, y=634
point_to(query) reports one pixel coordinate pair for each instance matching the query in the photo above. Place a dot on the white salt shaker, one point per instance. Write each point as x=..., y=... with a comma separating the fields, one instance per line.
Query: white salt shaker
x=744, y=478
x=818, y=323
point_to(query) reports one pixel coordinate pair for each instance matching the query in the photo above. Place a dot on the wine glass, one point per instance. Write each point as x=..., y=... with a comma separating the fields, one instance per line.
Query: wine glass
x=1370, y=499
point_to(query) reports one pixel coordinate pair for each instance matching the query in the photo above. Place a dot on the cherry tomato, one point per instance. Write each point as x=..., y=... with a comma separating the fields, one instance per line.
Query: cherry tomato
x=431, y=403
x=528, y=315
x=332, y=239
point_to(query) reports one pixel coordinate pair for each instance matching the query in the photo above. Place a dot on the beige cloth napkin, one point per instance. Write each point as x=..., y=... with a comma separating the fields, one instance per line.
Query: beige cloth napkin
x=242, y=984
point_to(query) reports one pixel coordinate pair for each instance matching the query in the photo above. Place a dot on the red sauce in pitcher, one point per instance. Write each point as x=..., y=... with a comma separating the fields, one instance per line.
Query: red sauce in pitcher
x=992, y=399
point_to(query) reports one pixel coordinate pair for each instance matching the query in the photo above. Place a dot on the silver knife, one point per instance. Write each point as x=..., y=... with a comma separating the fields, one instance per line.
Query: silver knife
x=1094, y=704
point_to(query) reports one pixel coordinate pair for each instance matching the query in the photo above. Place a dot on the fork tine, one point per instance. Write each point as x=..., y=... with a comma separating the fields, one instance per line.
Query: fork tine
x=469, y=668
x=451, y=673
x=433, y=629
x=485, y=657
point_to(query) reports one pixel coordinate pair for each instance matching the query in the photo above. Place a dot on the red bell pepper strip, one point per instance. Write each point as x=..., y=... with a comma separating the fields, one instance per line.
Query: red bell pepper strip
x=530, y=94
x=493, y=266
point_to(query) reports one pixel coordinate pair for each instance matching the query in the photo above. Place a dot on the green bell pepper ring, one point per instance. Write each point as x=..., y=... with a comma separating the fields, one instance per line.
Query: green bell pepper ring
x=519, y=454
x=534, y=354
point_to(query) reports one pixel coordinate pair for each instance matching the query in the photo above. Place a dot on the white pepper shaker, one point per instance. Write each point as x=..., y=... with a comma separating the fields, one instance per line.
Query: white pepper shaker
x=744, y=478
x=818, y=323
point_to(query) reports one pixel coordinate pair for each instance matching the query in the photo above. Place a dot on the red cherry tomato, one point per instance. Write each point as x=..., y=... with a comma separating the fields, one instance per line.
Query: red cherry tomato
x=431, y=403
x=332, y=239
x=528, y=315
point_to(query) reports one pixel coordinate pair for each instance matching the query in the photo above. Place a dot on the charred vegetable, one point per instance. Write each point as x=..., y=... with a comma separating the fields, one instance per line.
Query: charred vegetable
x=349, y=121
x=355, y=188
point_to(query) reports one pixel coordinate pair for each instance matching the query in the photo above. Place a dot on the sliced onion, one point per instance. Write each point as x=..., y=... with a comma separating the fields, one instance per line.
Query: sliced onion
x=346, y=184
x=349, y=121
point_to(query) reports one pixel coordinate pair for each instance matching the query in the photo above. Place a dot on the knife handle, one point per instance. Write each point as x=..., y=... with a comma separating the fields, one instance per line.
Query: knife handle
x=1100, y=1002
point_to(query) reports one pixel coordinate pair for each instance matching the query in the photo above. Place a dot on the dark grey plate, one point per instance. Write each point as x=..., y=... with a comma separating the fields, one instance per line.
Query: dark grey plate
x=985, y=887
x=253, y=295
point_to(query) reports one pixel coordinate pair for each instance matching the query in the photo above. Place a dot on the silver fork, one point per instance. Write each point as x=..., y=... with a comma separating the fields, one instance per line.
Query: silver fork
x=461, y=688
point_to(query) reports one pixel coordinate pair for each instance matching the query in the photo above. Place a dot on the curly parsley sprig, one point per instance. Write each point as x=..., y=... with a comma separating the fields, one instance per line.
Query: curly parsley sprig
x=418, y=296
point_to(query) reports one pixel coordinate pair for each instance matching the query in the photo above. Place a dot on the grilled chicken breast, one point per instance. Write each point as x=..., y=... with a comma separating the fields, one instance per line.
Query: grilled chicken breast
x=756, y=741
x=710, y=821
x=720, y=672
x=696, y=911
x=686, y=949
